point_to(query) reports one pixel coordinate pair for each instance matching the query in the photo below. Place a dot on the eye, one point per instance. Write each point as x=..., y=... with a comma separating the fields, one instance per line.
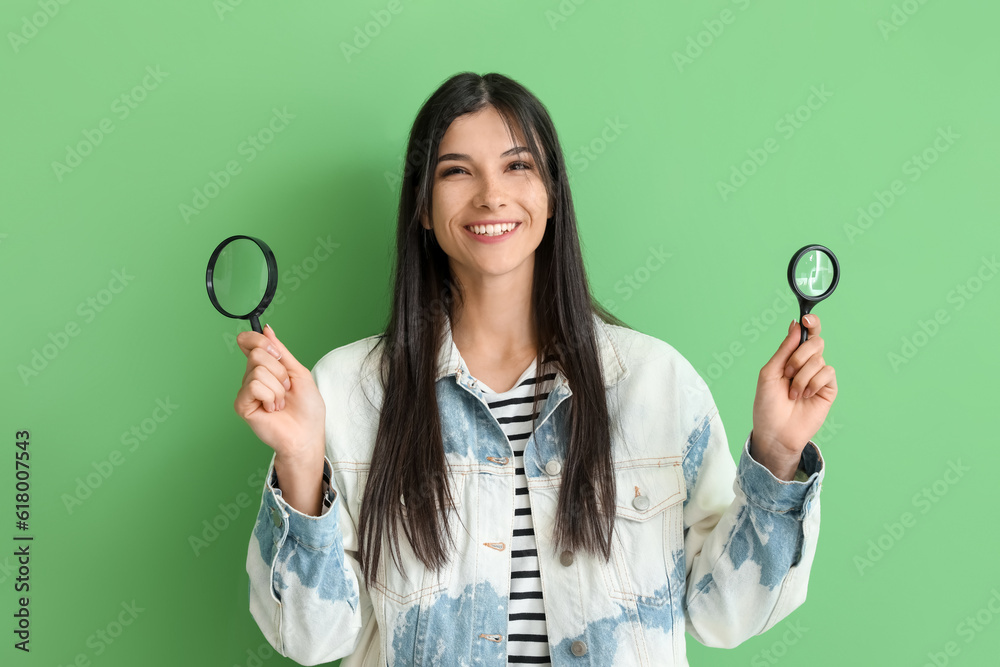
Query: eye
x=520, y=165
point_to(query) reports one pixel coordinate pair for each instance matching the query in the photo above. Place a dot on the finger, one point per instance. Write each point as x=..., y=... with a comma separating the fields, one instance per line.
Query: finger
x=813, y=366
x=812, y=324
x=248, y=340
x=258, y=357
x=264, y=376
x=775, y=366
x=800, y=356
x=286, y=358
x=823, y=383
x=250, y=395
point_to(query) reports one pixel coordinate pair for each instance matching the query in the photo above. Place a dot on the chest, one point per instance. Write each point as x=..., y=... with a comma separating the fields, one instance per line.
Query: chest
x=500, y=375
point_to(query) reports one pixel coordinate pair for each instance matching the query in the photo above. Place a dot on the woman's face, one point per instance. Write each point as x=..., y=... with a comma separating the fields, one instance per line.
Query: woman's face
x=482, y=179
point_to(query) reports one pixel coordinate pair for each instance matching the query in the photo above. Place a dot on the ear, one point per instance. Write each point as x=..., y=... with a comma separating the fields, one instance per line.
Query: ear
x=423, y=216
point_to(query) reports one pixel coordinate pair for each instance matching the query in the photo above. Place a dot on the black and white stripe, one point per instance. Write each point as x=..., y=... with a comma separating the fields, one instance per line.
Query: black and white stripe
x=527, y=638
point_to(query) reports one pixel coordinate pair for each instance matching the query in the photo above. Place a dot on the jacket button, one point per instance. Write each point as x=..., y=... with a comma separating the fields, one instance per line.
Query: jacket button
x=579, y=648
x=566, y=558
x=553, y=467
x=641, y=503
x=276, y=517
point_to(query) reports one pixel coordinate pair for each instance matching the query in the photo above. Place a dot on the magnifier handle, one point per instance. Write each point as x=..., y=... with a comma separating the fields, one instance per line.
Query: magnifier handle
x=255, y=323
x=803, y=311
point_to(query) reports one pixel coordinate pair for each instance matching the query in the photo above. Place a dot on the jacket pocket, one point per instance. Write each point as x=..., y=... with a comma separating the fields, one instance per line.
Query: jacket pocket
x=649, y=531
x=415, y=582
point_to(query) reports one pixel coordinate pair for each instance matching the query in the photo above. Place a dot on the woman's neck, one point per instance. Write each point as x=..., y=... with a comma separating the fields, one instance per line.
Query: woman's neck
x=495, y=323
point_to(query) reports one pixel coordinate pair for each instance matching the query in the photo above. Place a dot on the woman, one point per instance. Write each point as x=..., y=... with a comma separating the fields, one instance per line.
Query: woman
x=508, y=473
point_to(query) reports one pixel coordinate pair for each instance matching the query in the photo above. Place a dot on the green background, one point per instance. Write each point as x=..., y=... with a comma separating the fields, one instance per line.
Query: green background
x=895, y=76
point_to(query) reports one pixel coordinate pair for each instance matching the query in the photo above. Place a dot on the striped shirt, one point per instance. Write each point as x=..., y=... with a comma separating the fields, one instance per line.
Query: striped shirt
x=527, y=638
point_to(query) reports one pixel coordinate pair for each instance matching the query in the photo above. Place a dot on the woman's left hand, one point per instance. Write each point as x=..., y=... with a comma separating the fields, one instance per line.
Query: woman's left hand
x=795, y=390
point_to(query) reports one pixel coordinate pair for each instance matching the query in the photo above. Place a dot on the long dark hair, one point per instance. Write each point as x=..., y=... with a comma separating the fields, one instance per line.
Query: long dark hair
x=408, y=462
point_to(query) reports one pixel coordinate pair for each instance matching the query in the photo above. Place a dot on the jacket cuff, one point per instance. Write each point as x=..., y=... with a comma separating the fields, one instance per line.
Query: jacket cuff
x=316, y=532
x=768, y=492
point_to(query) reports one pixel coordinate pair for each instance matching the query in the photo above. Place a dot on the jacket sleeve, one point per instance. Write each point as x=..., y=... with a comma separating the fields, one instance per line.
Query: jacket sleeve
x=750, y=538
x=304, y=582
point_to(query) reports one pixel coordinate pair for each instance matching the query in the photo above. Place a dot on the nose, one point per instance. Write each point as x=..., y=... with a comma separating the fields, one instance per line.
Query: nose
x=490, y=193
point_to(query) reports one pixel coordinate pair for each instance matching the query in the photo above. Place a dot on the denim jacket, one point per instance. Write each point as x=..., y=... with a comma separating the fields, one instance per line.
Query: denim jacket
x=699, y=545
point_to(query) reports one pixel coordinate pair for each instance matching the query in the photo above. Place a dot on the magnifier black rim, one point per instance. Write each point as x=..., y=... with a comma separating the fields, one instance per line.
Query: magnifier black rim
x=272, y=277
x=795, y=260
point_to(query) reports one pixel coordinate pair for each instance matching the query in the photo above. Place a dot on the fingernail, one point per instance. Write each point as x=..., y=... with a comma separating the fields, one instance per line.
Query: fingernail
x=281, y=406
x=270, y=327
x=789, y=371
x=808, y=320
x=287, y=384
x=790, y=326
x=274, y=352
x=807, y=393
x=793, y=394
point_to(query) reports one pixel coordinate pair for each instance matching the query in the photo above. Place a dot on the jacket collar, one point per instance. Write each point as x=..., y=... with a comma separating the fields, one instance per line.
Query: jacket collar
x=450, y=361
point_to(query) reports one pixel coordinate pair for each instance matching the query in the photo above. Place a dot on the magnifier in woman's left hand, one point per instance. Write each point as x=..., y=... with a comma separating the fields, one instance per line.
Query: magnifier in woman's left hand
x=241, y=279
x=813, y=274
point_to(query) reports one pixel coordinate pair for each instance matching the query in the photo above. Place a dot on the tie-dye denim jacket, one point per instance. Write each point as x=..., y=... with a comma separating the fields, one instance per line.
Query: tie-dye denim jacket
x=700, y=544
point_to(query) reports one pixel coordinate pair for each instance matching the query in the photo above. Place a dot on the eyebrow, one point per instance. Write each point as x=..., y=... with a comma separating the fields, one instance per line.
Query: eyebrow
x=462, y=156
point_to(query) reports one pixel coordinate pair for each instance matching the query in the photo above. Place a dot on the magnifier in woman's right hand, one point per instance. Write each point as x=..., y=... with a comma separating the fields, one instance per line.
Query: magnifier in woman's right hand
x=242, y=277
x=813, y=274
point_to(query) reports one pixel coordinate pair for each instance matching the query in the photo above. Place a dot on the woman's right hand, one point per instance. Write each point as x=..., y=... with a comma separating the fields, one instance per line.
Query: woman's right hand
x=280, y=401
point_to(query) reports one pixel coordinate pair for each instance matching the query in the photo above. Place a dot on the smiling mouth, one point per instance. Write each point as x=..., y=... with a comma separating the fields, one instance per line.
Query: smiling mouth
x=493, y=230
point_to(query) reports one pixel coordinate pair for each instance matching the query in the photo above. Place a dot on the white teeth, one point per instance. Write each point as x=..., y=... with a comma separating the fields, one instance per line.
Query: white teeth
x=493, y=230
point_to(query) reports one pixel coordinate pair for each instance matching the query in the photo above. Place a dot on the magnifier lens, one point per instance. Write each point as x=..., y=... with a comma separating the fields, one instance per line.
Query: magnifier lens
x=814, y=273
x=240, y=277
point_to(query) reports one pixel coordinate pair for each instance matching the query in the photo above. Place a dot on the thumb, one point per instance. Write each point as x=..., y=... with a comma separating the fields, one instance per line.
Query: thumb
x=776, y=364
x=286, y=358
